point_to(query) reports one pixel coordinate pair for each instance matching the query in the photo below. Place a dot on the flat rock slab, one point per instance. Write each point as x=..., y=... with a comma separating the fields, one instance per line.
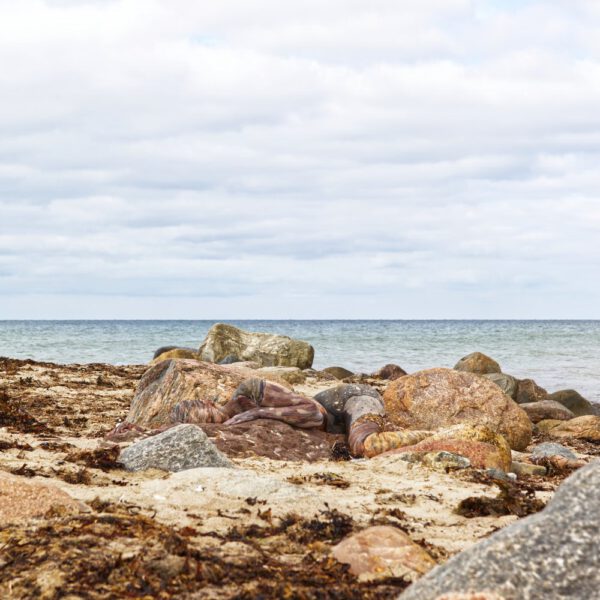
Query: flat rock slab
x=553, y=554
x=21, y=499
x=271, y=439
x=177, y=449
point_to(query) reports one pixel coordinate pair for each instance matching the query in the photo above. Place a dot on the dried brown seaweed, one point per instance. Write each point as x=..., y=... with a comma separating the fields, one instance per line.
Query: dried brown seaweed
x=114, y=554
x=515, y=498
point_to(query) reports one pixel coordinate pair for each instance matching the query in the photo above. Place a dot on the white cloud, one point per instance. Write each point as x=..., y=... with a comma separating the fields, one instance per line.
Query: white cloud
x=267, y=159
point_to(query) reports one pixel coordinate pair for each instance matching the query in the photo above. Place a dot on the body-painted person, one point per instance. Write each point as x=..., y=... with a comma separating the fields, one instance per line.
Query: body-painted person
x=356, y=410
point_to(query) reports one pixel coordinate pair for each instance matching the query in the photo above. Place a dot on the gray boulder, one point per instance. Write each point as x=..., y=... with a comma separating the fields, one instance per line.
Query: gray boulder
x=574, y=401
x=548, y=449
x=507, y=383
x=551, y=555
x=177, y=449
x=334, y=400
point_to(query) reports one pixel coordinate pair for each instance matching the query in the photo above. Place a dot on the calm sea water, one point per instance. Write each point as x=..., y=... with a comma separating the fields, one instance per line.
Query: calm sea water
x=557, y=354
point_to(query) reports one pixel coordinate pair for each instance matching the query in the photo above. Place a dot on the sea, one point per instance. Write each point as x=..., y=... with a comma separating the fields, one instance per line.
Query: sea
x=556, y=354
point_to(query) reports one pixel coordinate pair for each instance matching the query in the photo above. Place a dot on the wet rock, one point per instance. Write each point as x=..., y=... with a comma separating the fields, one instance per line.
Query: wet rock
x=507, y=383
x=338, y=372
x=21, y=499
x=177, y=449
x=438, y=398
x=169, y=382
x=527, y=469
x=582, y=428
x=552, y=554
x=383, y=551
x=529, y=391
x=477, y=363
x=291, y=375
x=546, y=409
x=548, y=449
x=268, y=349
x=574, y=401
x=389, y=372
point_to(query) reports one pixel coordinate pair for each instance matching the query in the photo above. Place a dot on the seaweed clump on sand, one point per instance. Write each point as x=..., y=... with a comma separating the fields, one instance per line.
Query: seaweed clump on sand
x=517, y=499
x=112, y=552
x=16, y=418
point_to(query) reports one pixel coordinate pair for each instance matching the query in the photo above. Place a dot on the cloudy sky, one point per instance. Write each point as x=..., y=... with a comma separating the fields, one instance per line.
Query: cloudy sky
x=299, y=159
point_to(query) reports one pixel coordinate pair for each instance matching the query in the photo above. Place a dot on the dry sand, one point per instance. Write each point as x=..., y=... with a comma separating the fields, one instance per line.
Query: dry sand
x=237, y=520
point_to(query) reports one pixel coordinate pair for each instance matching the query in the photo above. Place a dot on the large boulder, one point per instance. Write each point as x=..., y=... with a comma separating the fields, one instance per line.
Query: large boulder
x=553, y=554
x=177, y=449
x=546, y=409
x=383, y=551
x=268, y=349
x=574, y=401
x=529, y=391
x=172, y=381
x=507, y=383
x=477, y=363
x=437, y=398
x=581, y=428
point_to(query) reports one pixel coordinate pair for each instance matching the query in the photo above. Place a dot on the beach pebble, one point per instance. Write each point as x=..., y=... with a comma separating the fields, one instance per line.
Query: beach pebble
x=21, y=499
x=383, y=551
x=176, y=449
x=553, y=554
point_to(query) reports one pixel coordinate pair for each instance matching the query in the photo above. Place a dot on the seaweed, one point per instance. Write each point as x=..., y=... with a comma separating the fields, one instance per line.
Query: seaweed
x=331, y=479
x=515, y=498
x=104, y=459
x=113, y=554
x=331, y=526
x=16, y=418
x=340, y=451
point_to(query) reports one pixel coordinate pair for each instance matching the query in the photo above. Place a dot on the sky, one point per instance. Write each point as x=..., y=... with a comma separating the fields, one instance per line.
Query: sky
x=301, y=159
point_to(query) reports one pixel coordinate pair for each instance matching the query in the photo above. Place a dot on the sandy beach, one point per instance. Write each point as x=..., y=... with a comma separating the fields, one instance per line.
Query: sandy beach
x=262, y=529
